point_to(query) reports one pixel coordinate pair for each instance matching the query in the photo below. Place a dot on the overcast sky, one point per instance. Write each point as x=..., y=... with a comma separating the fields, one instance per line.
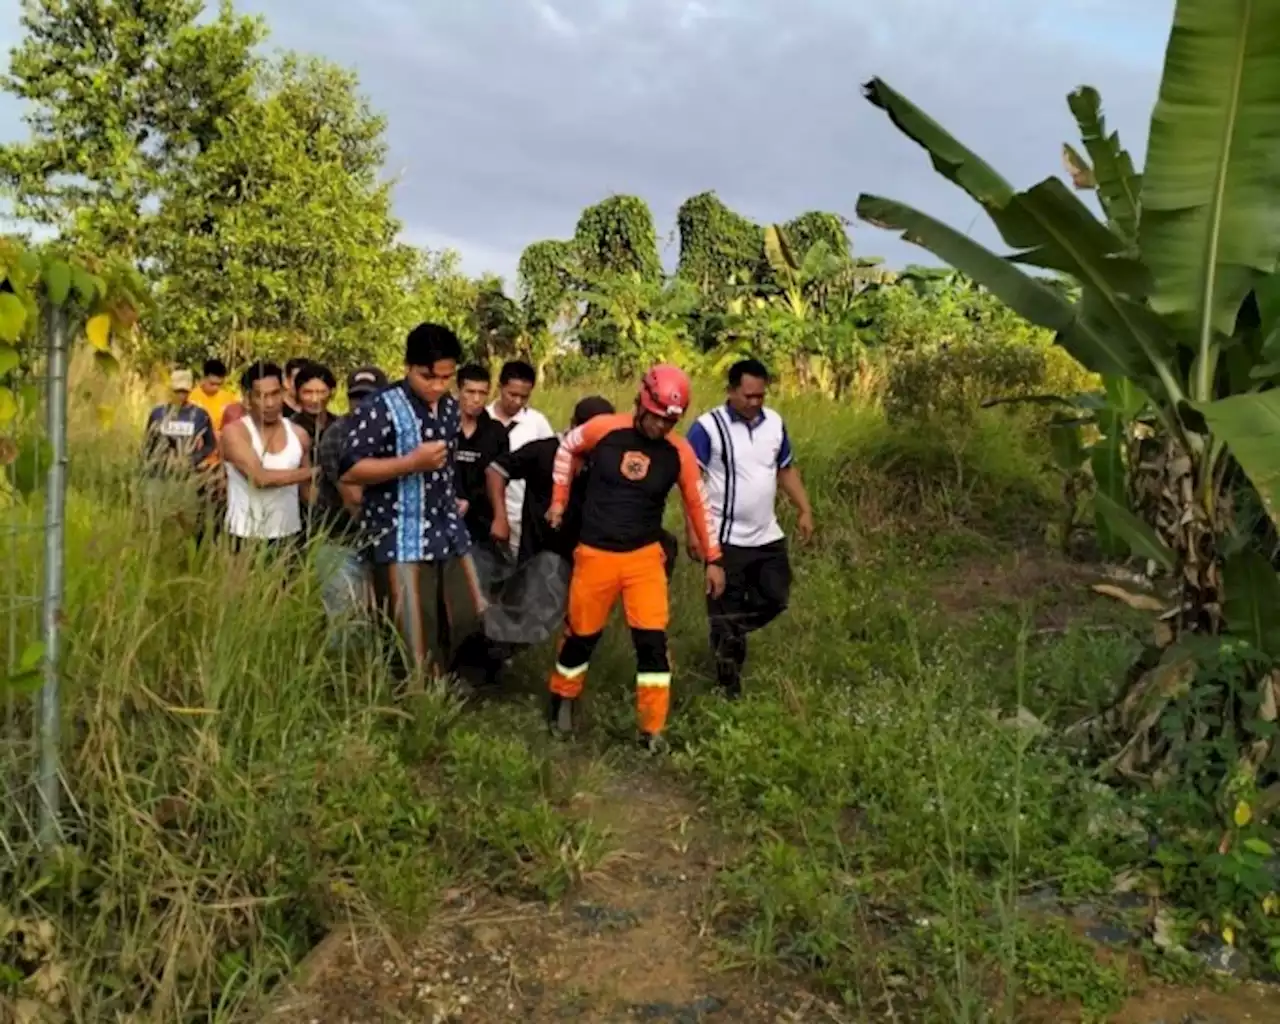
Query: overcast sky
x=507, y=117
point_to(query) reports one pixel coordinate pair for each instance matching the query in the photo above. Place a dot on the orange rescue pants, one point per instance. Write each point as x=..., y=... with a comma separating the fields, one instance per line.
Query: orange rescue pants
x=599, y=579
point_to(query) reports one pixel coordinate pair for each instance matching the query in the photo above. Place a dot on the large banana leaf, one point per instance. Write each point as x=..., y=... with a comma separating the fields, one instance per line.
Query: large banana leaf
x=1117, y=184
x=1096, y=337
x=1057, y=231
x=1210, y=221
x=1250, y=426
x=1021, y=292
x=951, y=158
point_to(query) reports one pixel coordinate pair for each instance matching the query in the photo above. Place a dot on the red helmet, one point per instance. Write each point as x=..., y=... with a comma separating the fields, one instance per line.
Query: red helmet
x=664, y=391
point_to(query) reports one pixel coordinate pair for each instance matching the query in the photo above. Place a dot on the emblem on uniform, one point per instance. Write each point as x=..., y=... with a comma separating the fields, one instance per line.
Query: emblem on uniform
x=635, y=465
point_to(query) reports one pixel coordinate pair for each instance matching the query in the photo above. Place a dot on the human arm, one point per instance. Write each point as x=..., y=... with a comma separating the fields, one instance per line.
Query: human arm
x=206, y=441
x=514, y=465
x=238, y=451
x=306, y=489
x=793, y=487
x=329, y=457
x=697, y=519
x=576, y=444
x=700, y=442
x=368, y=455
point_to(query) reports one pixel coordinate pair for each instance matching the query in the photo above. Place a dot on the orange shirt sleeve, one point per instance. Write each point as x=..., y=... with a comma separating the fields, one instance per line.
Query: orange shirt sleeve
x=695, y=499
x=575, y=444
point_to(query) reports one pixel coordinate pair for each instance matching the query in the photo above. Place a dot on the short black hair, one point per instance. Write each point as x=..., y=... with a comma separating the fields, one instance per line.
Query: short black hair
x=315, y=371
x=427, y=344
x=473, y=372
x=517, y=369
x=591, y=407
x=294, y=365
x=259, y=371
x=215, y=368
x=747, y=368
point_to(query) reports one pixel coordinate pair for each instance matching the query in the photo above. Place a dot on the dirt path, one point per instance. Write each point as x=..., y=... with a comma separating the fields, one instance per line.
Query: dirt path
x=630, y=944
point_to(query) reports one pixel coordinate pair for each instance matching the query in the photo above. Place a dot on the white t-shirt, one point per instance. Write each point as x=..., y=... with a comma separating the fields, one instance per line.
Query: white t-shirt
x=527, y=425
x=740, y=463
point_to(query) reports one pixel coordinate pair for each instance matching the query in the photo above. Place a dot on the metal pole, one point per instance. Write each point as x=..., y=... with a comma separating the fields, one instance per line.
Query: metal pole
x=54, y=513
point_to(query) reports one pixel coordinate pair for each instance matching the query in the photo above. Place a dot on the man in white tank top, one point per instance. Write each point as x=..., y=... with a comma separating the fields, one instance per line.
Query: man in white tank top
x=268, y=460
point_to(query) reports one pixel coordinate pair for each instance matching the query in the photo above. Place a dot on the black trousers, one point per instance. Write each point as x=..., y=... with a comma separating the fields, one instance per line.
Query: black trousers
x=757, y=590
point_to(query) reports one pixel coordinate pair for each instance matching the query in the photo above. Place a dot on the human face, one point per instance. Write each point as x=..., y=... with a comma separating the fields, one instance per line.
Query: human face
x=747, y=399
x=473, y=396
x=513, y=397
x=314, y=397
x=212, y=385
x=431, y=382
x=181, y=396
x=655, y=427
x=266, y=400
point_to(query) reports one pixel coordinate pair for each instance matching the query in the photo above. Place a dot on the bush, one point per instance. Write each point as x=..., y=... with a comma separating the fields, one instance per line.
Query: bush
x=951, y=381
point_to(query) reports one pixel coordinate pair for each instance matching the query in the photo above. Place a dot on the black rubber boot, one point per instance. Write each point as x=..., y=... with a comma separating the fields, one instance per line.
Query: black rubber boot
x=654, y=742
x=560, y=715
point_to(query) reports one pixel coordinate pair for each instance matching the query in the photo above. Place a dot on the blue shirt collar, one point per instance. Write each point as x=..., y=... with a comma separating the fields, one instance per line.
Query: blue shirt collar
x=734, y=415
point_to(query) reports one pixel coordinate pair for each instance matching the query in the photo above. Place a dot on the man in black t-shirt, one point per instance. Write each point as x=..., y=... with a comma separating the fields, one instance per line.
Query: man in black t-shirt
x=534, y=463
x=481, y=440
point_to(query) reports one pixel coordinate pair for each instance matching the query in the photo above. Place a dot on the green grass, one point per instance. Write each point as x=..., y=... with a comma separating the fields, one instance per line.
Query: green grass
x=238, y=791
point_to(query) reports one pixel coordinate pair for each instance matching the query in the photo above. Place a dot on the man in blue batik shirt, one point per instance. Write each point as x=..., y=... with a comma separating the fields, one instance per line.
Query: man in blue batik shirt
x=399, y=449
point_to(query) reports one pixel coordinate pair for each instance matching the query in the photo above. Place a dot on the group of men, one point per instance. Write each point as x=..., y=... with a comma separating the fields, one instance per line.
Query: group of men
x=474, y=528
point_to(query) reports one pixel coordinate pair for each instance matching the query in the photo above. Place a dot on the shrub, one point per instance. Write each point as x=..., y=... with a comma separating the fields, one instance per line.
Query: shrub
x=950, y=382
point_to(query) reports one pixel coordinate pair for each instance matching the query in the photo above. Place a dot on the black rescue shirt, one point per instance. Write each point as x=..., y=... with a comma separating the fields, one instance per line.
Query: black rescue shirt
x=474, y=454
x=626, y=490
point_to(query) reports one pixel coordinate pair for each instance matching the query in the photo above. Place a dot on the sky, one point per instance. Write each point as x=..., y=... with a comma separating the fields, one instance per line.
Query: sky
x=508, y=117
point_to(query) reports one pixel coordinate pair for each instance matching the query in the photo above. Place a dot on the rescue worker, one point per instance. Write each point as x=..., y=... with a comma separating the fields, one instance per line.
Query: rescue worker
x=635, y=462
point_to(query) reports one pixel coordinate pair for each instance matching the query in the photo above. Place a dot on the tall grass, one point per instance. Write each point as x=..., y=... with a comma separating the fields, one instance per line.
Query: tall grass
x=236, y=789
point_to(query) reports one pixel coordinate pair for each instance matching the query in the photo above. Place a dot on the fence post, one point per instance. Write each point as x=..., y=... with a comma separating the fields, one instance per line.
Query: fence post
x=50, y=789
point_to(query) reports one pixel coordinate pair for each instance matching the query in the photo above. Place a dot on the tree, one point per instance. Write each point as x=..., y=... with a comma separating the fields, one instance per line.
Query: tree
x=123, y=97
x=280, y=235
x=1179, y=297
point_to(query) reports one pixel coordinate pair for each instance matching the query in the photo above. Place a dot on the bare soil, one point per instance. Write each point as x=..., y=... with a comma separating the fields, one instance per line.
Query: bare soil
x=632, y=943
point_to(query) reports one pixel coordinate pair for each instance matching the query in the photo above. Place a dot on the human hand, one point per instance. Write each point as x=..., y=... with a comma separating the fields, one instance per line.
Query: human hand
x=555, y=516
x=804, y=526
x=500, y=529
x=715, y=580
x=429, y=456
x=694, y=546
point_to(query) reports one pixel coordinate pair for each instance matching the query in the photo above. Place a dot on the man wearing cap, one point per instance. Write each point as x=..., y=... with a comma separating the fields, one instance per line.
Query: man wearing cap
x=180, y=436
x=336, y=516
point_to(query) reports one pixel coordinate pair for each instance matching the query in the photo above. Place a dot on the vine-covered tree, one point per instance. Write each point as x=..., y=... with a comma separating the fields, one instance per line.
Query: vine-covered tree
x=548, y=273
x=616, y=236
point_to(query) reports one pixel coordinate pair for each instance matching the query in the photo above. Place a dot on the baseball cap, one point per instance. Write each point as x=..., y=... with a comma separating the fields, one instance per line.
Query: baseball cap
x=365, y=381
x=181, y=380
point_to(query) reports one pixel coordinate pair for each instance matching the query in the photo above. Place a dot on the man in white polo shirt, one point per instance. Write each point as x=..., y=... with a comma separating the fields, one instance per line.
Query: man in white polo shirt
x=746, y=456
x=511, y=410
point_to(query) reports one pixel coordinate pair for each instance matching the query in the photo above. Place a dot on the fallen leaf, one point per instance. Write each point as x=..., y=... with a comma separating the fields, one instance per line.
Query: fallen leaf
x=1139, y=602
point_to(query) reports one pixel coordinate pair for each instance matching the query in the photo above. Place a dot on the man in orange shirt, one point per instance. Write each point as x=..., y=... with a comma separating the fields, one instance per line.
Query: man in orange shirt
x=634, y=464
x=209, y=396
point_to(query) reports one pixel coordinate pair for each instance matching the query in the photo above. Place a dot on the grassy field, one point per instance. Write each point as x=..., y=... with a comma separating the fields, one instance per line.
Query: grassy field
x=871, y=823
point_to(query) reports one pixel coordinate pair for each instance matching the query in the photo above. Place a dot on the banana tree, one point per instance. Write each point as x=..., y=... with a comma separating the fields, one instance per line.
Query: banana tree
x=1179, y=294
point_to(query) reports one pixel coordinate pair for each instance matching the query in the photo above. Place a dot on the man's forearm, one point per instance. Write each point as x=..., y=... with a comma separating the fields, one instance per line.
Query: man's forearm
x=371, y=472
x=793, y=487
x=267, y=478
x=496, y=486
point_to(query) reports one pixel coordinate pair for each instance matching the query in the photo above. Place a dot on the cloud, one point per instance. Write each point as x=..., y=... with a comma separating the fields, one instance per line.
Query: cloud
x=507, y=117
